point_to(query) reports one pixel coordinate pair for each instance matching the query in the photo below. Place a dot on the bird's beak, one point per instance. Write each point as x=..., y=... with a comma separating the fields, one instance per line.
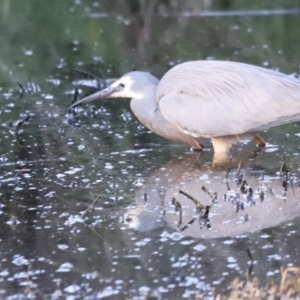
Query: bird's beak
x=98, y=95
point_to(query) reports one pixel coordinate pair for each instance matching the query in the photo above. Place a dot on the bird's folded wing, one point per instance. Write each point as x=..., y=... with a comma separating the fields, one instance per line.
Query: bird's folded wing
x=224, y=98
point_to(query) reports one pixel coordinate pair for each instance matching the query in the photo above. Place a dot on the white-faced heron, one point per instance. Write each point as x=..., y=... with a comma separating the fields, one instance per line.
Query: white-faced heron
x=209, y=99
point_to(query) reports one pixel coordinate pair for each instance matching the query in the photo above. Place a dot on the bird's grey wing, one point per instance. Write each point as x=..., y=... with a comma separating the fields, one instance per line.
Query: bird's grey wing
x=213, y=98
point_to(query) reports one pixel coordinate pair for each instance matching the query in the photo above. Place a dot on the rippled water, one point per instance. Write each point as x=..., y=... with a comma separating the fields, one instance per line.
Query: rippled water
x=87, y=208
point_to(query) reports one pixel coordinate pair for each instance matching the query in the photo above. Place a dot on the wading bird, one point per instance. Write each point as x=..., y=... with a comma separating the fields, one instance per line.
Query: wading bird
x=220, y=100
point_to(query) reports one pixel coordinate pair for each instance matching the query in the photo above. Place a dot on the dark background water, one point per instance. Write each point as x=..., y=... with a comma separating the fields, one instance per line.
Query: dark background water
x=55, y=169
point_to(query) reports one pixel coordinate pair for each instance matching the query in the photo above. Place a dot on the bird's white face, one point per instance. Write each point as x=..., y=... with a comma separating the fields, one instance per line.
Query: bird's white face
x=125, y=87
x=134, y=85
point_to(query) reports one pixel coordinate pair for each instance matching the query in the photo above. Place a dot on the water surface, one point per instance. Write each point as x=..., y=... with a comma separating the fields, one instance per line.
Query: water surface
x=129, y=244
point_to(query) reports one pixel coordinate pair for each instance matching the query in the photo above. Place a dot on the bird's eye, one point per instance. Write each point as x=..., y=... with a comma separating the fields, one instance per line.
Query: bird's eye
x=122, y=85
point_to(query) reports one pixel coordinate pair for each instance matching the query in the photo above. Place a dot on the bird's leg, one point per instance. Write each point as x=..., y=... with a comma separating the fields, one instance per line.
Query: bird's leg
x=261, y=144
x=221, y=144
x=259, y=141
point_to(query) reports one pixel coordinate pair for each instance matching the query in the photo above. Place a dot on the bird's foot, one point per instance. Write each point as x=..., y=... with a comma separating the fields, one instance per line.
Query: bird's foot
x=259, y=141
x=197, y=150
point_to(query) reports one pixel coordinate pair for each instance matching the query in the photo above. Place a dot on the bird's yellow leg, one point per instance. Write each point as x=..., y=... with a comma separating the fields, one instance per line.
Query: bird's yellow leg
x=221, y=144
x=259, y=141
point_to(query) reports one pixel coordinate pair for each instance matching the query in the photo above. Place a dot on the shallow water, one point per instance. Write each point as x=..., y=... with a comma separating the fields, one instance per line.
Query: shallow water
x=86, y=201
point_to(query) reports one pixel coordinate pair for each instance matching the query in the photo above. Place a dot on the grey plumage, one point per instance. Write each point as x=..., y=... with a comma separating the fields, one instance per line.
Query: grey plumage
x=208, y=99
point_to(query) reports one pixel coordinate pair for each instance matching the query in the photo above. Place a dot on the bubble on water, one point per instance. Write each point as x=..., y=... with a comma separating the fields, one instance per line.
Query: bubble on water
x=204, y=177
x=57, y=294
x=265, y=236
x=144, y=290
x=200, y=247
x=228, y=242
x=54, y=81
x=4, y=273
x=47, y=96
x=271, y=149
x=73, y=171
x=274, y=256
x=73, y=220
x=187, y=242
x=62, y=246
x=108, y=166
x=231, y=259
x=176, y=236
x=50, y=194
x=72, y=288
x=60, y=175
x=65, y=267
x=19, y=260
x=107, y=292
x=138, y=182
x=143, y=242
x=28, y=52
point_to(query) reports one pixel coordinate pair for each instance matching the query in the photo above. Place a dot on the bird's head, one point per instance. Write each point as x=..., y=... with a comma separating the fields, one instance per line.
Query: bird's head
x=131, y=85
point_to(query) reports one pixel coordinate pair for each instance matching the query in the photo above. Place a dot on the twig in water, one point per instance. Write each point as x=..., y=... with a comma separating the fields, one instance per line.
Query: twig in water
x=196, y=202
x=229, y=167
x=238, y=170
x=213, y=197
x=19, y=124
x=249, y=271
x=91, y=208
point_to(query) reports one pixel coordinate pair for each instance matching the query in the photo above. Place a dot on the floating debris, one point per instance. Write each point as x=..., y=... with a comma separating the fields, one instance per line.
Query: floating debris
x=239, y=206
x=244, y=187
x=15, y=126
x=188, y=224
x=72, y=118
x=177, y=208
x=213, y=197
x=261, y=196
x=75, y=95
x=20, y=123
x=91, y=208
x=22, y=90
x=239, y=179
x=204, y=218
x=199, y=206
x=176, y=204
x=101, y=81
x=250, y=269
x=90, y=112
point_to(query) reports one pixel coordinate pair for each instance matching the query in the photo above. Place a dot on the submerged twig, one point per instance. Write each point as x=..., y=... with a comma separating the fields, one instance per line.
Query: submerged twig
x=75, y=95
x=20, y=123
x=229, y=167
x=91, y=208
x=196, y=202
x=238, y=170
x=179, y=209
x=188, y=224
x=213, y=197
x=250, y=269
x=22, y=90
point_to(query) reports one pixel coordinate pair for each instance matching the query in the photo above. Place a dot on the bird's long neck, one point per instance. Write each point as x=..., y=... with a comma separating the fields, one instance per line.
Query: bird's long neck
x=147, y=111
x=145, y=108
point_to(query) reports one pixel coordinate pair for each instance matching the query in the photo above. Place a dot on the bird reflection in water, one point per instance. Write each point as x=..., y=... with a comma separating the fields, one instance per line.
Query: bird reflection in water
x=255, y=199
